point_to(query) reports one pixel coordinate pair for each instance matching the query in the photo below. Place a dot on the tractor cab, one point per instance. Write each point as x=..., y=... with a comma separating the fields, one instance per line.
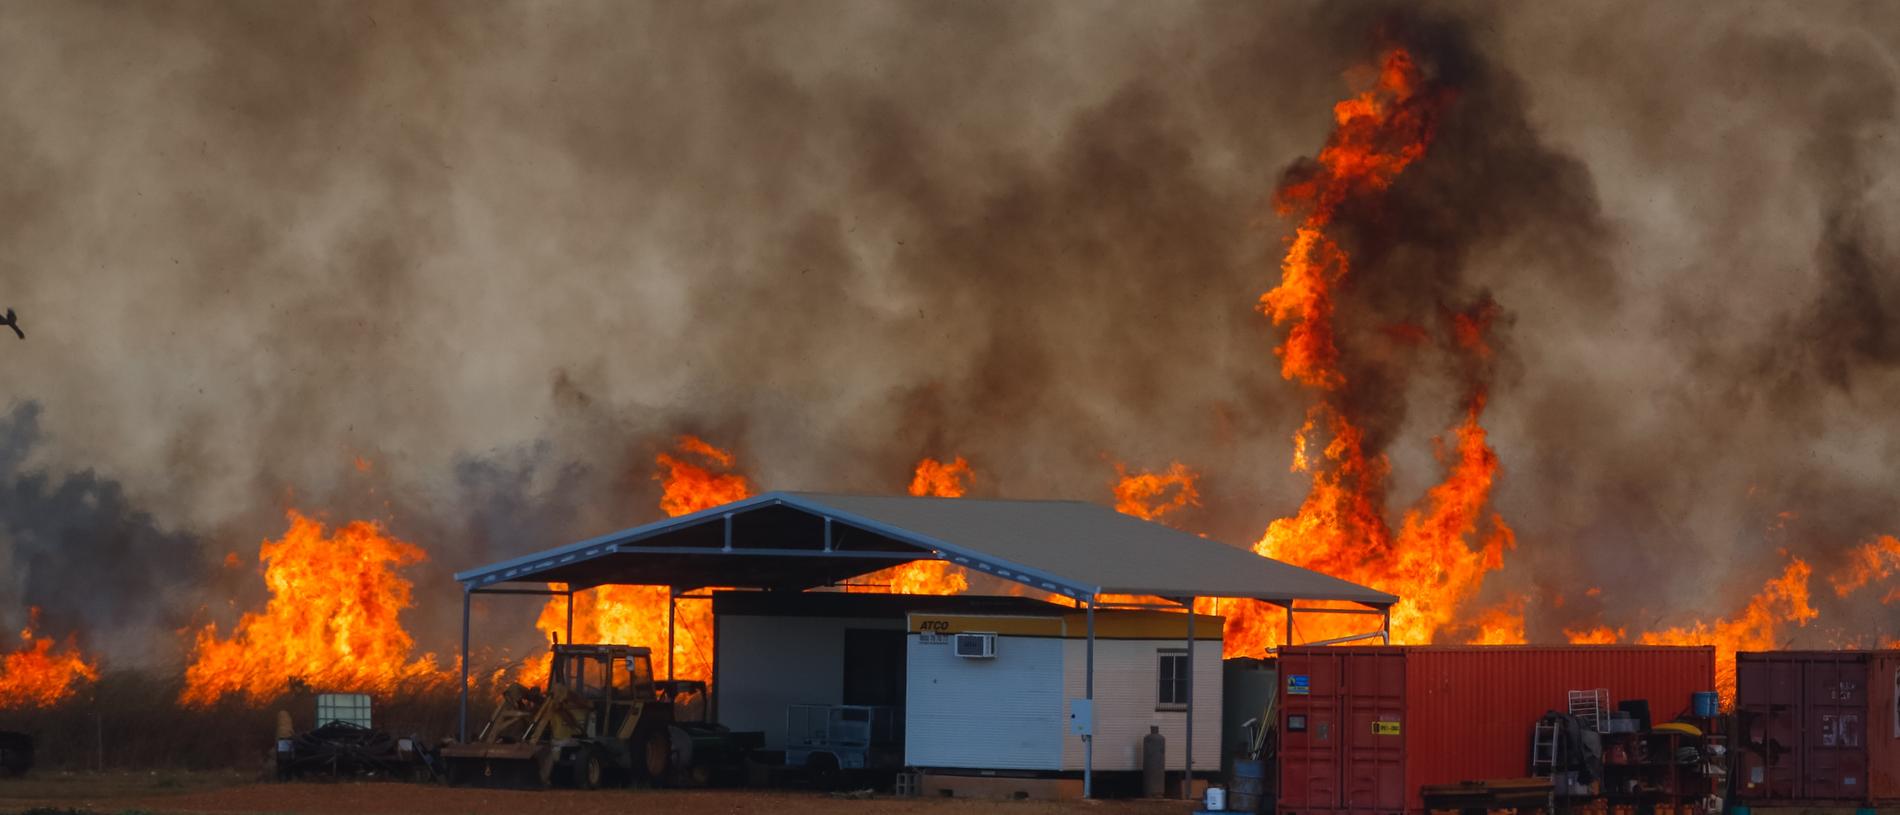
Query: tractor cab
x=601, y=718
x=613, y=681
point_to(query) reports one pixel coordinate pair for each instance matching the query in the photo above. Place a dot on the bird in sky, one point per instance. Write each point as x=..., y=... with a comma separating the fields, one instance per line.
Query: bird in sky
x=14, y=323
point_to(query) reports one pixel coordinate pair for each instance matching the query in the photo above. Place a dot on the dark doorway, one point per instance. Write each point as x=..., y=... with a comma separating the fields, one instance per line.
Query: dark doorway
x=874, y=668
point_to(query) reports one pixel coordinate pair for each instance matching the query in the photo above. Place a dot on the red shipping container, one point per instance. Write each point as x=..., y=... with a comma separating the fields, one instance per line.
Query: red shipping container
x=1362, y=729
x=1818, y=727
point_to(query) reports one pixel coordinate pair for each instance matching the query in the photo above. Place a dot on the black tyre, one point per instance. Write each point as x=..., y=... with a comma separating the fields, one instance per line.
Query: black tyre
x=823, y=770
x=656, y=756
x=589, y=770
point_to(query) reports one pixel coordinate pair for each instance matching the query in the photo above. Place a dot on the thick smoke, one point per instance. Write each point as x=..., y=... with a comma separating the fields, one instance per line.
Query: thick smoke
x=506, y=251
x=73, y=546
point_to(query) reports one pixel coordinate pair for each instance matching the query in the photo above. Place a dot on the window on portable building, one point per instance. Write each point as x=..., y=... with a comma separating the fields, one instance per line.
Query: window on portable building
x=1171, y=690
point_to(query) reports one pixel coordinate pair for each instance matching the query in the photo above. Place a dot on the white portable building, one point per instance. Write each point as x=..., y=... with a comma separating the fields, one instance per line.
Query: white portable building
x=992, y=692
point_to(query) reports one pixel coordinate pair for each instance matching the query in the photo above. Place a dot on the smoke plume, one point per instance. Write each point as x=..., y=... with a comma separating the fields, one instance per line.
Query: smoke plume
x=505, y=252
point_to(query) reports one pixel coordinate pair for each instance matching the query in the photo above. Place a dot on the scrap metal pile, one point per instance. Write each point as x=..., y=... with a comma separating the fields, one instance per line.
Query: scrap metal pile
x=341, y=749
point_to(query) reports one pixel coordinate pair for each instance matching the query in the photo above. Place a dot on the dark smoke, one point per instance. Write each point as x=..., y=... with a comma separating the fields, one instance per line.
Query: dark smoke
x=95, y=564
x=507, y=252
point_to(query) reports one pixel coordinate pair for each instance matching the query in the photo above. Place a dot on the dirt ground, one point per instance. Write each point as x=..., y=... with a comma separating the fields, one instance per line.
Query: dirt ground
x=241, y=793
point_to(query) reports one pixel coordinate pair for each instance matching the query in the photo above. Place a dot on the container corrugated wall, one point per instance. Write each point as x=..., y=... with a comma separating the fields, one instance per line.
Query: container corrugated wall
x=1362, y=729
x=1818, y=726
x=1473, y=708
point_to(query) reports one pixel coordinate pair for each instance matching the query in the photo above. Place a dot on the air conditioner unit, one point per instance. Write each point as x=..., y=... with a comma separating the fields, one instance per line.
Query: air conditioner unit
x=975, y=646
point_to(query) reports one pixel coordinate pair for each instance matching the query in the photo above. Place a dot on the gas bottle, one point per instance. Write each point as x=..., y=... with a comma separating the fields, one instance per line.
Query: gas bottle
x=1154, y=755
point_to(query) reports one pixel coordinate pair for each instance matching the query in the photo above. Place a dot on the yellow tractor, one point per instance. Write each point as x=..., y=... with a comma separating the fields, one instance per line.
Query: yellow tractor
x=602, y=720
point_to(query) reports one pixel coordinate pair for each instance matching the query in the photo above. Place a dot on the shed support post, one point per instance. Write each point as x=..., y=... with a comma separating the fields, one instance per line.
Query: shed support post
x=1187, y=773
x=1385, y=626
x=1188, y=755
x=672, y=602
x=1289, y=624
x=461, y=729
x=570, y=614
x=1088, y=692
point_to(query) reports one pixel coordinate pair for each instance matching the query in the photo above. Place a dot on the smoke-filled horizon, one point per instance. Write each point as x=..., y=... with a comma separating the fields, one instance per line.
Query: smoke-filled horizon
x=504, y=253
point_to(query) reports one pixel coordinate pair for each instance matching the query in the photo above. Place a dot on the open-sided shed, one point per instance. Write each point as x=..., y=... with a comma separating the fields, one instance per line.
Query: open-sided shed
x=793, y=541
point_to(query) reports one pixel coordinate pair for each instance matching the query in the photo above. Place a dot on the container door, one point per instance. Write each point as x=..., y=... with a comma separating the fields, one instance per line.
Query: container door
x=1834, y=765
x=1373, y=704
x=1883, y=728
x=1309, y=732
x=1769, y=703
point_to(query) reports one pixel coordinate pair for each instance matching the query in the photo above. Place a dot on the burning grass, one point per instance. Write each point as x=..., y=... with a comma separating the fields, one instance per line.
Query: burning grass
x=332, y=619
x=40, y=673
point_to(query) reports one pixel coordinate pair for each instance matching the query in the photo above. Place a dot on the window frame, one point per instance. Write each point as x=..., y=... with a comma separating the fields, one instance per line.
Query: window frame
x=1166, y=684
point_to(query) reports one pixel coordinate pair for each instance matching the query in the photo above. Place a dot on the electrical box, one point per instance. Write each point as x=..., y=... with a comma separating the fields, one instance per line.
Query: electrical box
x=1082, y=717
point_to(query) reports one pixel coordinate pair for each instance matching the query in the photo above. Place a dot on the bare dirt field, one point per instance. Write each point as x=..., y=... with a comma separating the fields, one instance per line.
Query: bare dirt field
x=241, y=793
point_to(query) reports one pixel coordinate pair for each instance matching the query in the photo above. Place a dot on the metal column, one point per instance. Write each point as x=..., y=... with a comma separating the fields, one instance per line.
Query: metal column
x=570, y=614
x=1187, y=774
x=462, y=726
x=672, y=600
x=1088, y=692
x=1385, y=627
x=1289, y=625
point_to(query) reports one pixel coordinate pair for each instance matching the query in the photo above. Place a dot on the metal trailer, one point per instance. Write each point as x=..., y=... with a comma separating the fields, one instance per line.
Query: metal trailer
x=832, y=742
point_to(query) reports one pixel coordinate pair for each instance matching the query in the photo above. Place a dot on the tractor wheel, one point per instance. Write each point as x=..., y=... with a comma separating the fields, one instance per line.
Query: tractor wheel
x=589, y=770
x=823, y=770
x=657, y=756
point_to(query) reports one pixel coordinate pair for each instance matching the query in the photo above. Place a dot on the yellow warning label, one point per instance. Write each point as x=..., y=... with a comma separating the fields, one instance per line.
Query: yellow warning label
x=1385, y=728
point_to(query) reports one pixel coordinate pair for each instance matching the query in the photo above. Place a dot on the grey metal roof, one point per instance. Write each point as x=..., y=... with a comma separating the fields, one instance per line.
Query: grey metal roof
x=798, y=540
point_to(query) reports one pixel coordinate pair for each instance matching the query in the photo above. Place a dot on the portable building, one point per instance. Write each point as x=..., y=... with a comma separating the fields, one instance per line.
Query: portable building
x=1818, y=727
x=990, y=692
x=1363, y=729
x=1003, y=707
x=773, y=650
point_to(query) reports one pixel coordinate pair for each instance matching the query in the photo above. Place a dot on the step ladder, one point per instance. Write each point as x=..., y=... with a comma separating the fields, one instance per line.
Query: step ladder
x=1592, y=707
x=1544, y=748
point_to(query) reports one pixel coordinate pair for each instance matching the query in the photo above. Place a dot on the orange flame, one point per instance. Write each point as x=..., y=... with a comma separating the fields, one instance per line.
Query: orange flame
x=1784, y=599
x=1597, y=635
x=1437, y=561
x=1150, y=495
x=1377, y=135
x=932, y=478
x=688, y=487
x=1502, y=624
x=694, y=477
x=37, y=675
x=936, y=478
x=332, y=620
x=1875, y=560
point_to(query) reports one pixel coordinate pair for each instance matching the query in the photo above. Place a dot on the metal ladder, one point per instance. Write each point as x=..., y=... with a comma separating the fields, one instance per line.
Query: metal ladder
x=1544, y=748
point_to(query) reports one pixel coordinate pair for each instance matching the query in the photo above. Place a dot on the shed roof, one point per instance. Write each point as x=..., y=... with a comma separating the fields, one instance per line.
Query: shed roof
x=798, y=540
